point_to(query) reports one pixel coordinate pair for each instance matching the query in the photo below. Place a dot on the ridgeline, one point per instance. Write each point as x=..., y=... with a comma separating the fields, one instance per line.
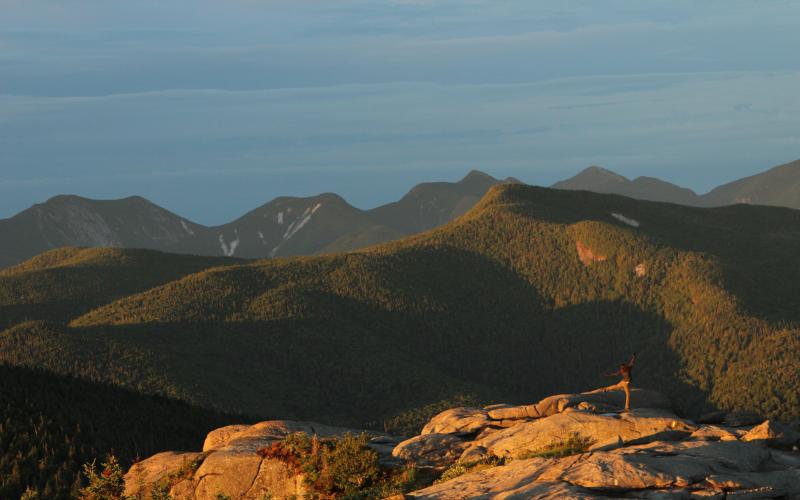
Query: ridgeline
x=532, y=292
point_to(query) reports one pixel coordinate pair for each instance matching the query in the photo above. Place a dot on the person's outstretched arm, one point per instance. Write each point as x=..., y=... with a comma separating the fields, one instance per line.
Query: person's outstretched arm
x=632, y=361
x=618, y=372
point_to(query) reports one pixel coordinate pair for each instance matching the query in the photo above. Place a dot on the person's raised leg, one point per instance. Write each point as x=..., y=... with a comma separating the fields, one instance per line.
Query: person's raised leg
x=615, y=387
x=627, y=388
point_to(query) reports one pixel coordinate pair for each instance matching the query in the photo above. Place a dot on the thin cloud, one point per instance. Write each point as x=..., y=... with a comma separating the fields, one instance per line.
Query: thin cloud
x=181, y=99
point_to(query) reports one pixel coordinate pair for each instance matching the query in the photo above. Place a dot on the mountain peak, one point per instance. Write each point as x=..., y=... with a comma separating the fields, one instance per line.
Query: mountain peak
x=476, y=183
x=593, y=178
x=74, y=198
x=601, y=180
x=64, y=198
x=596, y=171
x=477, y=175
x=778, y=186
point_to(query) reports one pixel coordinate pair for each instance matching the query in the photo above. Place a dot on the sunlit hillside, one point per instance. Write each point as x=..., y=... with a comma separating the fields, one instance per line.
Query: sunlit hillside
x=533, y=292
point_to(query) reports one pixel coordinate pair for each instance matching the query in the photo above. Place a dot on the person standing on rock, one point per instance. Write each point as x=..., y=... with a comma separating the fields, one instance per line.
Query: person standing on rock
x=624, y=384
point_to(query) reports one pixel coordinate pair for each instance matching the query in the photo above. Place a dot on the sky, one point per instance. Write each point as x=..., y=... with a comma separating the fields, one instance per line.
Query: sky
x=212, y=108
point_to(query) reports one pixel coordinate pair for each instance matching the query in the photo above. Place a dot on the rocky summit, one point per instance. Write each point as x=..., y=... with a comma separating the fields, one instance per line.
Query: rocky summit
x=566, y=446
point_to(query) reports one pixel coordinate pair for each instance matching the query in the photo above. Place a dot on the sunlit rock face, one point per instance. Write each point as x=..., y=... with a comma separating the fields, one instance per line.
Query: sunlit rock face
x=565, y=446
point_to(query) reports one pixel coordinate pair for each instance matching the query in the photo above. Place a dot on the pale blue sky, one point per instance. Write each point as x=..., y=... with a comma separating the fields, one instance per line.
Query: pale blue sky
x=211, y=108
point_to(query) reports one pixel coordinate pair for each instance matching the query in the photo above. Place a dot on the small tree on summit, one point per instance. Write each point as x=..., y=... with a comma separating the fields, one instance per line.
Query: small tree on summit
x=108, y=484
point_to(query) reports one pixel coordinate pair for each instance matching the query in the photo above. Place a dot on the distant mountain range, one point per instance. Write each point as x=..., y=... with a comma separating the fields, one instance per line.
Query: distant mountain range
x=600, y=180
x=779, y=186
x=326, y=223
x=284, y=226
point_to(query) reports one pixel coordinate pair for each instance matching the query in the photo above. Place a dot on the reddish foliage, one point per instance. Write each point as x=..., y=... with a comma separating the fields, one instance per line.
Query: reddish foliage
x=278, y=451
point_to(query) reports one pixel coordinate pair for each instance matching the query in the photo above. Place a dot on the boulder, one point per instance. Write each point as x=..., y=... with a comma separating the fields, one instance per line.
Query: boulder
x=142, y=475
x=599, y=431
x=259, y=435
x=458, y=421
x=219, y=438
x=640, y=398
x=277, y=479
x=773, y=433
x=229, y=471
x=231, y=465
x=431, y=450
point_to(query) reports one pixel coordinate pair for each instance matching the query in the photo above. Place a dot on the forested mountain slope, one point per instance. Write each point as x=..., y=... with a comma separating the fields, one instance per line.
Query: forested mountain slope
x=51, y=425
x=61, y=283
x=534, y=291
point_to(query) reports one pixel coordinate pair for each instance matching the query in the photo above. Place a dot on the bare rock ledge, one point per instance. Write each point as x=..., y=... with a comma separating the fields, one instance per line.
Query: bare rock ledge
x=570, y=446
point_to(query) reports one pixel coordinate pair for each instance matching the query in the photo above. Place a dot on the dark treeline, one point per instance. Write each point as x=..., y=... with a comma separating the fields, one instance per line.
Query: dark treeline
x=51, y=425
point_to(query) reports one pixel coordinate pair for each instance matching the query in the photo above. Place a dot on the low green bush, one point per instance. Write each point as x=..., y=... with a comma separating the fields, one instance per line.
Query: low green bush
x=461, y=468
x=572, y=445
x=343, y=467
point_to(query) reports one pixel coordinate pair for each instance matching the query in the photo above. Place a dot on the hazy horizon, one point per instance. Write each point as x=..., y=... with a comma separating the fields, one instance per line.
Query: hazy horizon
x=211, y=109
x=403, y=188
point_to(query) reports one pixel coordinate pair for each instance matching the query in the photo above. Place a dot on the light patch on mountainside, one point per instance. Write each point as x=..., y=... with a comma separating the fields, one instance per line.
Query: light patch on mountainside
x=186, y=228
x=280, y=218
x=296, y=226
x=229, y=250
x=626, y=220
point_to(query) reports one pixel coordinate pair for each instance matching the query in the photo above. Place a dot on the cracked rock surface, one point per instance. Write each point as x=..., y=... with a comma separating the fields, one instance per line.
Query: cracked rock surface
x=647, y=453
x=229, y=465
x=601, y=453
x=686, y=469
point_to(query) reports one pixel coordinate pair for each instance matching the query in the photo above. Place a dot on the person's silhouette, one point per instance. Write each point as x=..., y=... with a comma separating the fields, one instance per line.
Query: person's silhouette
x=624, y=384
